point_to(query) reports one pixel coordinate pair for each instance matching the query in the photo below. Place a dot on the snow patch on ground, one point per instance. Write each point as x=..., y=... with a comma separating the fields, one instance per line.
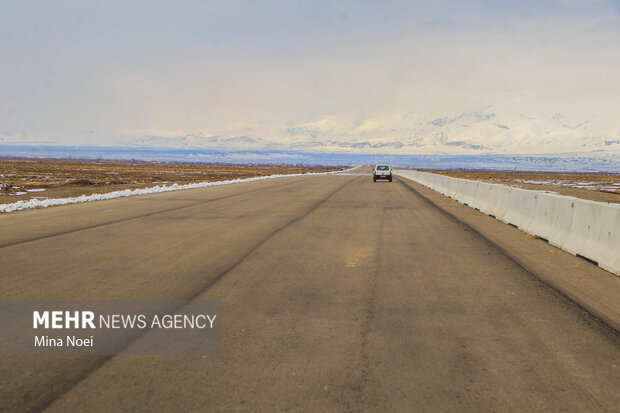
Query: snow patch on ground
x=44, y=203
x=596, y=186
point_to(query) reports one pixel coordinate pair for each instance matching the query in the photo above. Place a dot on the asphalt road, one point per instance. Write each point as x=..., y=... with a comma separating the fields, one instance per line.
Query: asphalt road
x=339, y=294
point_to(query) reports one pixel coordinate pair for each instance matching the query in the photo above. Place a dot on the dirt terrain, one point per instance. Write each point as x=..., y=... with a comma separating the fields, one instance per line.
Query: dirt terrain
x=24, y=179
x=603, y=187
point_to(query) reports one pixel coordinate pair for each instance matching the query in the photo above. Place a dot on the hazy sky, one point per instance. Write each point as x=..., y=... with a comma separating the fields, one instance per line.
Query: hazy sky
x=98, y=71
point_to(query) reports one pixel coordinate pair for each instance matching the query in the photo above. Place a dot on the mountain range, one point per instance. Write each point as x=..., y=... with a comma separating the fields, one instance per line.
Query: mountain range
x=476, y=132
x=479, y=132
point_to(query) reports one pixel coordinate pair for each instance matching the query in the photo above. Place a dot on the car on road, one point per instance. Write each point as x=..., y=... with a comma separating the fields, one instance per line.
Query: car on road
x=382, y=171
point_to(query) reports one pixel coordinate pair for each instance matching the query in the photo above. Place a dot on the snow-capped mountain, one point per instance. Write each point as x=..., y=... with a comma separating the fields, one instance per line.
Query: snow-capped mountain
x=475, y=132
x=479, y=132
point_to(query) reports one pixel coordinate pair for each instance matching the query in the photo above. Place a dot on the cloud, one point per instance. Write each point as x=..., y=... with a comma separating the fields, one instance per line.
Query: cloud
x=352, y=71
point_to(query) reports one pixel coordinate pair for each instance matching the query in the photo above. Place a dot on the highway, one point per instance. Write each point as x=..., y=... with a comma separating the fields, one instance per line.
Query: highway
x=339, y=294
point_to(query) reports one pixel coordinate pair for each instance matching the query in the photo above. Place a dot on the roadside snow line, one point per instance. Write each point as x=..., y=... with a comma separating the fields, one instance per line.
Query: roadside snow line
x=45, y=203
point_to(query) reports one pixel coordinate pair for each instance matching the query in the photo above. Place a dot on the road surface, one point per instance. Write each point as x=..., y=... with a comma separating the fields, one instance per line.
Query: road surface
x=339, y=294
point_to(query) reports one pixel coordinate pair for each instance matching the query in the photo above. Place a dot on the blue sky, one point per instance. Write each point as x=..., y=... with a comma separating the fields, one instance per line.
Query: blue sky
x=110, y=72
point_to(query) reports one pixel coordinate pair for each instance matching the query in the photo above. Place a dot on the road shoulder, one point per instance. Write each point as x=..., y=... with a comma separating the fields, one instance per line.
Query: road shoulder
x=592, y=288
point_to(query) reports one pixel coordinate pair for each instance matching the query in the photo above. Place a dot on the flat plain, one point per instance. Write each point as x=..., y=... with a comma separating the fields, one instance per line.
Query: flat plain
x=602, y=187
x=23, y=179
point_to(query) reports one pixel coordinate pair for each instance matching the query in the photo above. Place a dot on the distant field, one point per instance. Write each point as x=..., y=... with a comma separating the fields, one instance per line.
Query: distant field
x=24, y=179
x=603, y=187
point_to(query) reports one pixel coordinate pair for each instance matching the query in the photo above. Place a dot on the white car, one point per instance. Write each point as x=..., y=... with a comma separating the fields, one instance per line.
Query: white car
x=382, y=171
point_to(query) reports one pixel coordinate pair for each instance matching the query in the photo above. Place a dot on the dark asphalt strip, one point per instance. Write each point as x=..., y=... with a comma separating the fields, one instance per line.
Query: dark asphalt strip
x=150, y=214
x=43, y=404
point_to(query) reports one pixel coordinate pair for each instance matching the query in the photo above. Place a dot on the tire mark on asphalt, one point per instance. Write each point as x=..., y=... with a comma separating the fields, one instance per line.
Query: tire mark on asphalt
x=69, y=385
x=150, y=214
x=367, y=400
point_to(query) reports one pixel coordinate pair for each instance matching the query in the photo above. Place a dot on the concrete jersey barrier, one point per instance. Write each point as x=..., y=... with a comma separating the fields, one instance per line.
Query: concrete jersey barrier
x=581, y=227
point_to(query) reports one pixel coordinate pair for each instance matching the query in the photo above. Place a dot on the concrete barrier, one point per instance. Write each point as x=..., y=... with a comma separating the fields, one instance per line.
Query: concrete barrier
x=609, y=240
x=484, y=195
x=552, y=218
x=586, y=228
x=594, y=233
x=451, y=187
x=521, y=210
x=500, y=201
